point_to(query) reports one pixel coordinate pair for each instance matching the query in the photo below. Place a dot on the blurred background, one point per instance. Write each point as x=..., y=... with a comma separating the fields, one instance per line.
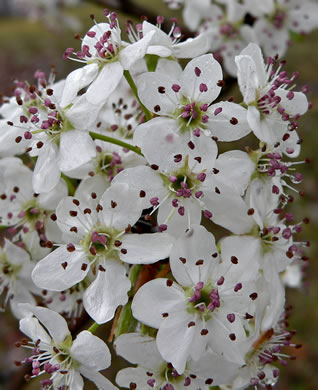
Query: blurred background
x=36, y=40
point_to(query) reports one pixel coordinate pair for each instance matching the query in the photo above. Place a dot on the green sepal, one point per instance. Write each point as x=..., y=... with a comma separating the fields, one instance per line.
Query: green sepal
x=126, y=322
x=151, y=61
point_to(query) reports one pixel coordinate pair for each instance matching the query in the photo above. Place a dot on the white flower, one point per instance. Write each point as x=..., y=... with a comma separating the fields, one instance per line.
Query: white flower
x=263, y=355
x=185, y=179
x=99, y=242
x=206, y=306
x=186, y=101
x=53, y=129
x=20, y=207
x=193, y=10
x=16, y=285
x=272, y=105
x=55, y=353
x=259, y=8
x=273, y=30
x=228, y=35
x=169, y=45
x=106, y=57
x=153, y=372
x=68, y=302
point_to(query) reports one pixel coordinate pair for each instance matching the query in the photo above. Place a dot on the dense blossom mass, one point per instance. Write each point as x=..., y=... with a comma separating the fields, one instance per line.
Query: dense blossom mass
x=124, y=200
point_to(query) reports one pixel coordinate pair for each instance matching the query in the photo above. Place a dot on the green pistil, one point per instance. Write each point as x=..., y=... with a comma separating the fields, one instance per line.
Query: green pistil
x=189, y=124
x=104, y=161
x=257, y=233
x=165, y=374
x=8, y=268
x=36, y=215
x=183, y=175
x=101, y=250
x=192, y=307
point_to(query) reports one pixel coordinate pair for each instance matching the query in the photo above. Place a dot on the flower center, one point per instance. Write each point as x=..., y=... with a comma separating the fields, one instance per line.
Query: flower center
x=204, y=299
x=192, y=116
x=109, y=164
x=228, y=30
x=279, y=17
x=100, y=242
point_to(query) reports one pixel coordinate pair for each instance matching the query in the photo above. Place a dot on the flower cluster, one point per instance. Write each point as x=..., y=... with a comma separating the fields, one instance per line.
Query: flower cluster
x=232, y=24
x=112, y=212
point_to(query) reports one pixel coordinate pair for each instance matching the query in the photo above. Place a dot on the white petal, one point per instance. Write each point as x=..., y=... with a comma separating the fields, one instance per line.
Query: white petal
x=82, y=114
x=192, y=47
x=100, y=381
x=96, y=183
x=216, y=367
x=196, y=244
x=15, y=254
x=220, y=124
x=77, y=80
x=247, y=250
x=91, y=351
x=251, y=71
x=192, y=13
x=50, y=274
x=158, y=141
x=76, y=383
x=210, y=74
x=121, y=206
x=76, y=149
x=178, y=224
x=297, y=105
x=273, y=41
x=155, y=298
x=159, y=38
x=136, y=375
x=229, y=210
x=105, y=83
x=235, y=169
x=159, y=50
x=8, y=134
x=148, y=91
x=134, y=52
x=107, y=292
x=32, y=328
x=269, y=129
x=82, y=222
x=277, y=301
x=168, y=66
x=146, y=248
x=142, y=178
x=53, y=322
x=46, y=173
x=304, y=17
x=139, y=349
x=175, y=338
x=262, y=199
x=51, y=199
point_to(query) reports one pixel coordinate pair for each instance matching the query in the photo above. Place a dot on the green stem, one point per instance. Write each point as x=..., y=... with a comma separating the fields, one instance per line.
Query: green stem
x=132, y=84
x=115, y=141
x=93, y=328
x=70, y=185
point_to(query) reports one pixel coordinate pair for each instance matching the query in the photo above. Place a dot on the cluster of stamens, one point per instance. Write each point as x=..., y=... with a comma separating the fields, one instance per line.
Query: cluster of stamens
x=49, y=359
x=42, y=113
x=269, y=101
x=267, y=349
x=107, y=44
